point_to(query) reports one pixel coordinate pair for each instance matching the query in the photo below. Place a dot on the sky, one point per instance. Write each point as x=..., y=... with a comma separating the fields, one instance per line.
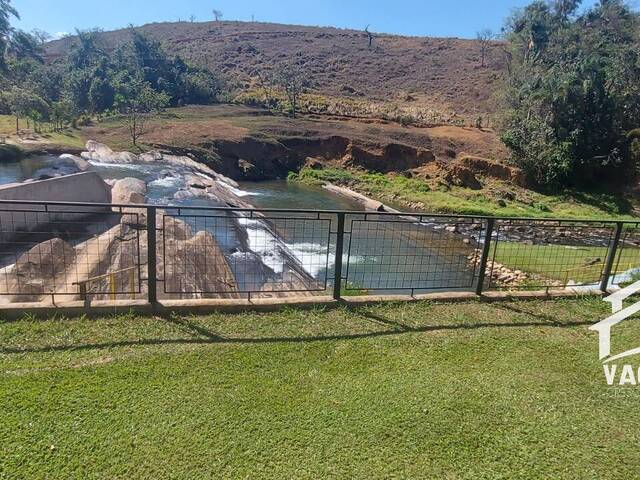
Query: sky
x=441, y=18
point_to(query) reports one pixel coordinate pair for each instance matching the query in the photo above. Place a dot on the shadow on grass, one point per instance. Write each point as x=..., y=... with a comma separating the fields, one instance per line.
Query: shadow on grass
x=607, y=202
x=203, y=336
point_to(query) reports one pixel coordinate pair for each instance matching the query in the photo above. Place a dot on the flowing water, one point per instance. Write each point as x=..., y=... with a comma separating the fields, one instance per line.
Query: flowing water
x=379, y=255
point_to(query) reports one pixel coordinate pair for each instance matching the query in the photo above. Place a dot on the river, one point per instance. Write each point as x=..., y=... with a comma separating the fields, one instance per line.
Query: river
x=378, y=255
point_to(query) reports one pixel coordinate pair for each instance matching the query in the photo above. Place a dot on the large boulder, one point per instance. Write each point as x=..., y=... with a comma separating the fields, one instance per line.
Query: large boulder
x=129, y=190
x=80, y=163
x=65, y=165
x=196, y=267
x=100, y=152
x=42, y=270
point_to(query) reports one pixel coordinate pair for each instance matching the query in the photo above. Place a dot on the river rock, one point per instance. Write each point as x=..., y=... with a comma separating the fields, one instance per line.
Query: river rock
x=197, y=267
x=41, y=270
x=102, y=153
x=65, y=165
x=129, y=190
x=79, y=162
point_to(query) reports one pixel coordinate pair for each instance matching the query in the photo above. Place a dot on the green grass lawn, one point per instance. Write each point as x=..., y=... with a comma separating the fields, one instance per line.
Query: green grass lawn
x=68, y=137
x=468, y=390
x=563, y=263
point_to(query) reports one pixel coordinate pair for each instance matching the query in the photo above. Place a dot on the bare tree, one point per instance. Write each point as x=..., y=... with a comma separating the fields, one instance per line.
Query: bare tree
x=293, y=80
x=192, y=18
x=40, y=35
x=217, y=14
x=369, y=35
x=484, y=38
x=267, y=82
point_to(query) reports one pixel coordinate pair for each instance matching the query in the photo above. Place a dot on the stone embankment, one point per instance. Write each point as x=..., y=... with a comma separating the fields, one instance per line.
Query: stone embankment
x=498, y=274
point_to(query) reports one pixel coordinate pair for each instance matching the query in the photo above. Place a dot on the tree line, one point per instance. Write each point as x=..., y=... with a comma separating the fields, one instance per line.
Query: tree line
x=570, y=108
x=136, y=78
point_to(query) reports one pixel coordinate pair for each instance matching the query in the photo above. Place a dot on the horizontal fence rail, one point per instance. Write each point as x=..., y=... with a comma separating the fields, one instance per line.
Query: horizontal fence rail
x=107, y=251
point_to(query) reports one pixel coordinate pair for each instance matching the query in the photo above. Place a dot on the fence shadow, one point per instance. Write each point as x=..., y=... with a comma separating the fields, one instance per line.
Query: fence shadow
x=200, y=335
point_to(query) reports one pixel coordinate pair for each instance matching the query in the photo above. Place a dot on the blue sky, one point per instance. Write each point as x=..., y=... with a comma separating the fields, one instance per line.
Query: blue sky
x=458, y=18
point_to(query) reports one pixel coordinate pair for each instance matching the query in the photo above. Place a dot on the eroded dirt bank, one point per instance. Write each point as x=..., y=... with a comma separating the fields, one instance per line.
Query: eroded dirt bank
x=251, y=144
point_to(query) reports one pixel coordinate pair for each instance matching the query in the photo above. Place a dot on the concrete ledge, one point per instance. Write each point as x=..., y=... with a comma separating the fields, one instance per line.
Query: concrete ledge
x=15, y=311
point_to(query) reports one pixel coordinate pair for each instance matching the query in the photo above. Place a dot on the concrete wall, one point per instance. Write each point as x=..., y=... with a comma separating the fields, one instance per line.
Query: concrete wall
x=80, y=187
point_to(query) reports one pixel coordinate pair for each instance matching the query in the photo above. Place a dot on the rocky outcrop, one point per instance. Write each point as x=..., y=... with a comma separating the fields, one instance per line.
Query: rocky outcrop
x=194, y=265
x=99, y=152
x=128, y=190
x=40, y=271
x=79, y=162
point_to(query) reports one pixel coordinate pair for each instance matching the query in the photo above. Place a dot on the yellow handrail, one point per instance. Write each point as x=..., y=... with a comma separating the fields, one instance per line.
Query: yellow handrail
x=82, y=284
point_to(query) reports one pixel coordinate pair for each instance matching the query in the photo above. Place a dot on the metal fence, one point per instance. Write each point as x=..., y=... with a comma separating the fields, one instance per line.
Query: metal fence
x=100, y=251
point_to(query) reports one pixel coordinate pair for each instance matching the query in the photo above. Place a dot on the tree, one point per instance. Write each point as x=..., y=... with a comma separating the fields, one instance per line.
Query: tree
x=484, y=38
x=23, y=45
x=6, y=12
x=41, y=36
x=217, y=14
x=293, y=80
x=23, y=103
x=268, y=82
x=573, y=92
x=101, y=95
x=192, y=18
x=369, y=36
x=86, y=48
x=139, y=104
x=61, y=114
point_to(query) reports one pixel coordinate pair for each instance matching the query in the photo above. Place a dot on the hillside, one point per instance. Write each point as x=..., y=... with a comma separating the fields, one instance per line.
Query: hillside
x=443, y=74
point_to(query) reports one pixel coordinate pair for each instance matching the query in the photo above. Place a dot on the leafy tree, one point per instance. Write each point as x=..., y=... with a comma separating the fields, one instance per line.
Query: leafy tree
x=23, y=45
x=137, y=105
x=93, y=80
x=61, y=114
x=6, y=12
x=101, y=95
x=86, y=49
x=573, y=92
x=23, y=103
x=217, y=14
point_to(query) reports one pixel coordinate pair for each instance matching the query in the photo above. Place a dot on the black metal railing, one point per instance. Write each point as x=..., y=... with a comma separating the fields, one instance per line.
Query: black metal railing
x=104, y=251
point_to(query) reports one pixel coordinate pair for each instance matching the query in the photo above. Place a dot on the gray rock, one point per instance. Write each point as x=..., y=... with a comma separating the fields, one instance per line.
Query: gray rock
x=129, y=190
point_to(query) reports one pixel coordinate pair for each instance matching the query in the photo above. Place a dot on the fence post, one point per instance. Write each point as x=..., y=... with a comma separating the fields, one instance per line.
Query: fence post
x=151, y=255
x=337, y=279
x=611, y=257
x=485, y=255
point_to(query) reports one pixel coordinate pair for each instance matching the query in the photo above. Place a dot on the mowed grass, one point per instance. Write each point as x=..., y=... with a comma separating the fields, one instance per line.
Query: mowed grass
x=563, y=263
x=424, y=390
x=68, y=137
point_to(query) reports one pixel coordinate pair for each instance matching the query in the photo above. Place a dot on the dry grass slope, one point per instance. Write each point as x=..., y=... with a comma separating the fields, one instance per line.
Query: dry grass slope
x=437, y=73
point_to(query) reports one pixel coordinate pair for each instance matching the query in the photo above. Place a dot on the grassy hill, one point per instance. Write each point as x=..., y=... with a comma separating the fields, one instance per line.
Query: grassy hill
x=442, y=74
